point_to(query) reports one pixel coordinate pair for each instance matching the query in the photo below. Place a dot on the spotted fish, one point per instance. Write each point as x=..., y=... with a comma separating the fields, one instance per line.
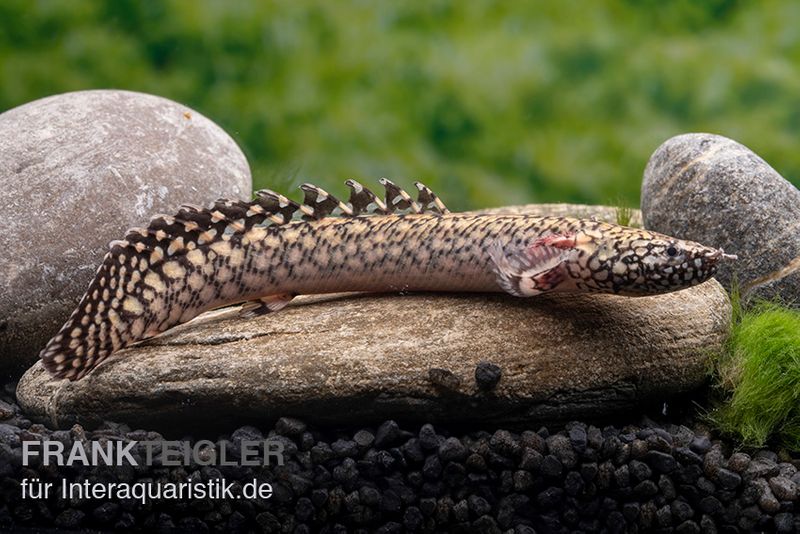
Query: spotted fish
x=268, y=250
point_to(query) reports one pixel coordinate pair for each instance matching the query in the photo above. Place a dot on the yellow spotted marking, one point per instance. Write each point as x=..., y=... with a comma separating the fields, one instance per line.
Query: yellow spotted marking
x=309, y=241
x=196, y=281
x=206, y=236
x=154, y=281
x=271, y=241
x=173, y=269
x=196, y=257
x=224, y=274
x=236, y=257
x=175, y=246
x=291, y=235
x=256, y=234
x=157, y=255
x=132, y=305
x=223, y=248
x=113, y=317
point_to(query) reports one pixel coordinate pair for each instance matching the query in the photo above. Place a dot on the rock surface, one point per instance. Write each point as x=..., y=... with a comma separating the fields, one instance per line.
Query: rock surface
x=79, y=169
x=365, y=357
x=716, y=191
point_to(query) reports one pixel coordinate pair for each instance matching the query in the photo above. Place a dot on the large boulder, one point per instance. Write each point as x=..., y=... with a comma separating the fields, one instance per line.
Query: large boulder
x=77, y=170
x=716, y=191
x=353, y=357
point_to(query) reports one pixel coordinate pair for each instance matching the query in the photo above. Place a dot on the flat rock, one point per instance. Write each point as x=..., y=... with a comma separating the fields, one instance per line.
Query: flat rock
x=369, y=357
x=78, y=170
x=716, y=191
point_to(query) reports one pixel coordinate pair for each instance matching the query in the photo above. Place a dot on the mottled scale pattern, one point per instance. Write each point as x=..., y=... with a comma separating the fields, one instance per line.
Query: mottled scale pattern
x=270, y=249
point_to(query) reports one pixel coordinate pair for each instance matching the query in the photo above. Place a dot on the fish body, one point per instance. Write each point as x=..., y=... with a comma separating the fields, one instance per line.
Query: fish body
x=260, y=253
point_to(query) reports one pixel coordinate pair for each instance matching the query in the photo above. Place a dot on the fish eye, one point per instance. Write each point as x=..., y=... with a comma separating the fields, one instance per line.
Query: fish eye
x=672, y=252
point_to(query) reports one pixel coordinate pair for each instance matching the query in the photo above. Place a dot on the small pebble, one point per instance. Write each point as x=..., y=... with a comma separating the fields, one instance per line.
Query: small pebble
x=288, y=426
x=783, y=488
x=444, y=378
x=728, y=479
x=487, y=375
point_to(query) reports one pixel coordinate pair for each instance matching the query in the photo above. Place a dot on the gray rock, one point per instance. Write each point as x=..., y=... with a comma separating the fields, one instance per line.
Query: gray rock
x=716, y=191
x=78, y=170
x=338, y=357
x=783, y=488
x=766, y=499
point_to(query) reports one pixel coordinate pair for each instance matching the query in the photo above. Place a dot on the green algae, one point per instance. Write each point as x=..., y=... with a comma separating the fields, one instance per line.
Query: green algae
x=759, y=376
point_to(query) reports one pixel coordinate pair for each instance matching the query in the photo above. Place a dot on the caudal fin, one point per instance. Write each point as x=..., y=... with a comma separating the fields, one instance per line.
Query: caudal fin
x=106, y=319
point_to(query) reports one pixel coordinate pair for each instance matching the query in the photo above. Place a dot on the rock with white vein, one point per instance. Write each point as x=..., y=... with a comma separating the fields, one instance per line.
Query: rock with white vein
x=711, y=189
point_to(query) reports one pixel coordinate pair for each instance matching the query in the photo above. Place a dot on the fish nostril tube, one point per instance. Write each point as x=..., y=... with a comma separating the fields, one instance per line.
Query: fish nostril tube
x=721, y=255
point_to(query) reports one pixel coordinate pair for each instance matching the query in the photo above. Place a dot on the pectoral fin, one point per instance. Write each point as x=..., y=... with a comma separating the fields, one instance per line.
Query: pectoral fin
x=265, y=305
x=533, y=270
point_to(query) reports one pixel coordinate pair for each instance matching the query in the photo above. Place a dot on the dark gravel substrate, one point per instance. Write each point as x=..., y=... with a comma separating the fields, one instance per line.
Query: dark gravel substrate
x=390, y=478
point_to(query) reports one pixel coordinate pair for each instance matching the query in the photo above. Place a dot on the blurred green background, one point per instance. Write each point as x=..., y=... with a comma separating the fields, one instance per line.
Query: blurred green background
x=490, y=103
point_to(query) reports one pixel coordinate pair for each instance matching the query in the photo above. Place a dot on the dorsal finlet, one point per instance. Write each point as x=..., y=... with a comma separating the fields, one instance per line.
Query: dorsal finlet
x=397, y=199
x=362, y=200
x=277, y=205
x=429, y=201
x=322, y=203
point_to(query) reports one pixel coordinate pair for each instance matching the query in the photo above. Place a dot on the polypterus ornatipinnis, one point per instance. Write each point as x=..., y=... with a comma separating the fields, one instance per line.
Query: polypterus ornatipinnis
x=266, y=251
